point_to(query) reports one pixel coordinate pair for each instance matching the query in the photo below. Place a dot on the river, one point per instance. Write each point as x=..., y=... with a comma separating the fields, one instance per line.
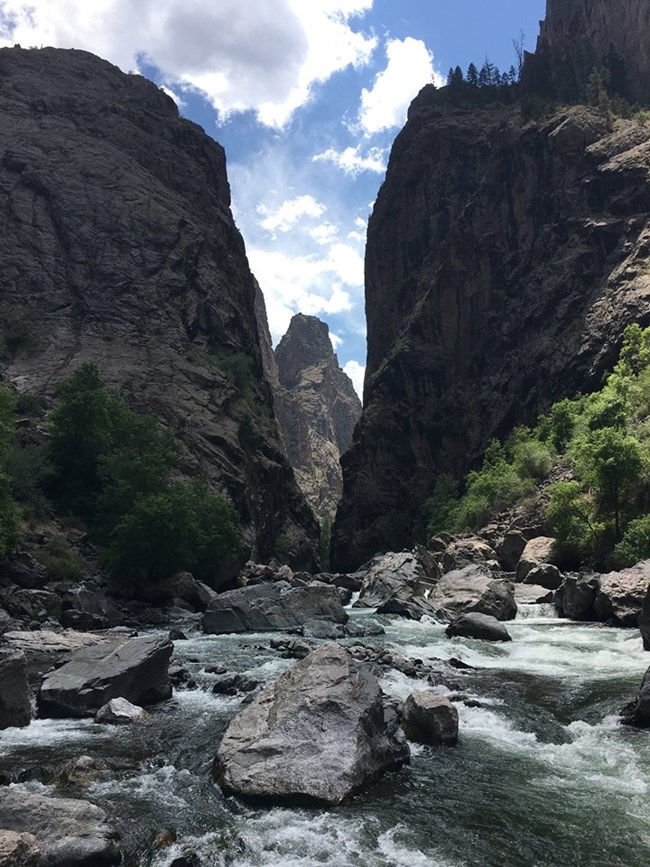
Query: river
x=542, y=774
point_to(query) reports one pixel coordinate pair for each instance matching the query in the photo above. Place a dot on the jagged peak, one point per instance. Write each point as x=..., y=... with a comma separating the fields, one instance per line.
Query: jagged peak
x=307, y=342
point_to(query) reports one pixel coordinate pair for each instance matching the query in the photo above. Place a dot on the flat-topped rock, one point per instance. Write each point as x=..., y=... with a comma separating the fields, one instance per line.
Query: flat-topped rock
x=430, y=718
x=476, y=625
x=133, y=668
x=273, y=607
x=474, y=588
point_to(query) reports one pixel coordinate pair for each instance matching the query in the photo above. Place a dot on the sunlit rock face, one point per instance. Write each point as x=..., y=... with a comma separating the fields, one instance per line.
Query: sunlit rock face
x=117, y=245
x=317, y=409
x=505, y=258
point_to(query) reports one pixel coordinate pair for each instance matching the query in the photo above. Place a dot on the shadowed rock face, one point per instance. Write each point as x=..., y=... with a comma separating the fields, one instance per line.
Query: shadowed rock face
x=117, y=244
x=504, y=261
x=580, y=34
x=317, y=409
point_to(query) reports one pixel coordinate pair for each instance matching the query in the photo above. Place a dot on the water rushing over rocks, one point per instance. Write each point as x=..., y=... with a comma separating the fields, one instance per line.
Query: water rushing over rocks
x=542, y=774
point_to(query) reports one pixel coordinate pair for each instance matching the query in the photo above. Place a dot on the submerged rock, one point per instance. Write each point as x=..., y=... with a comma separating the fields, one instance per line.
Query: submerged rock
x=475, y=625
x=119, y=711
x=15, y=702
x=637, y=713
x=430, y=718
x=316, y=735
x=69, y=833
x=621, y=595
x=136, y=669
x=273, y=607
x=474, y=588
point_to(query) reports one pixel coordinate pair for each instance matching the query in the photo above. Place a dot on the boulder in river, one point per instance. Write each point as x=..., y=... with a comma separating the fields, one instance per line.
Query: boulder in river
x=545, y=575
x=475, y=625
x=621, y=595
x=465, y=552
x=576, y=596
x=474, y=588
x=119, y=711
x=15, y=702
x=272, y=608
x=511, y=548
x=637, y=713
x=541, y=549
x=136, y=669
x=317, y=734
x=69, y=833
x=396, y=575
x=430, y=718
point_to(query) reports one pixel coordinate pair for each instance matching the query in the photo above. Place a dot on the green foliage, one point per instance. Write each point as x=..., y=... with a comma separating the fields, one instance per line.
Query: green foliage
x=604, y=438
x=635, y=544
x=9, y=512
x=184, y=527
x=112, y=469
x=30, y=404
x=240, y=370
x=31, y=471
x=441, y=508
x=61, y=561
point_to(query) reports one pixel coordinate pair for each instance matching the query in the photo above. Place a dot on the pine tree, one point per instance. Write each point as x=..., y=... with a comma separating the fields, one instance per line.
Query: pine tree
x=472, y=75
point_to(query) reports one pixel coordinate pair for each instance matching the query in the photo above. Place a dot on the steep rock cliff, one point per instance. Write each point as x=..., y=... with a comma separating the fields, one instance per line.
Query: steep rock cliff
x=504, y=261
x=317, y=409
x=117, y=244
x=579, y=35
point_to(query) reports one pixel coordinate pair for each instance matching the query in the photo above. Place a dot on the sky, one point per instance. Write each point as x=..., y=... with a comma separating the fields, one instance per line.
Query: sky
x=307, y=97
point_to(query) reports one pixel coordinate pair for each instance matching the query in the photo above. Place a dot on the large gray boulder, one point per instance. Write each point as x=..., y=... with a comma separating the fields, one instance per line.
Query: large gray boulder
x=544, y=575
x=621, y=595
x=475, y=625
x=88, y=607
x=400, y=575
x=430, y=718
x=637, y=713
x=316, y=735
x=273, y=607
x=474, y=588
x=15, y=702
x=465, y=552
x=45, y=648
x=541, y=549
x=133, y=668
x=644, y=621
x=511, y=549
x=69, y=833
x=576, y=596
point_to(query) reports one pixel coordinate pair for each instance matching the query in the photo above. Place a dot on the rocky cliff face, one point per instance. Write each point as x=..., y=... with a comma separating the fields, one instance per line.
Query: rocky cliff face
x=578, y=35
x=504, y=261
x=317, y=409
x=117, y=244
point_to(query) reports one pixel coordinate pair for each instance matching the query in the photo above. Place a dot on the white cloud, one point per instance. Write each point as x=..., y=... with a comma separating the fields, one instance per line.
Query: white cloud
x=254, y=55
x=289, y=213
x=335, y=340
x=409, y=68
x=356, y=372
x=352, y=162
x=325, y=233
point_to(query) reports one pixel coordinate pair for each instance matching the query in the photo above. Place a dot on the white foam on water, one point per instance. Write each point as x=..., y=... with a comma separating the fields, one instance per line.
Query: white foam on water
x=354, y=598
x=43, y=732
x=541, y=612
x=162, y=785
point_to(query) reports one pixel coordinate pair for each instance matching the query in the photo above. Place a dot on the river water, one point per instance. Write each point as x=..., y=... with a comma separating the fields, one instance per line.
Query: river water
x=542, y=774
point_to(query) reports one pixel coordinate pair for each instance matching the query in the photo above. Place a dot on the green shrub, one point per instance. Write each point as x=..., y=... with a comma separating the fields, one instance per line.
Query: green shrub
x=635, y=544
x=30, y=471
x=9, y=518
x=184, y=528
x=30, y=404
x=442, y=507
x=532, y=460
x=240, y=370
x=61, y=561
x=569, y=514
